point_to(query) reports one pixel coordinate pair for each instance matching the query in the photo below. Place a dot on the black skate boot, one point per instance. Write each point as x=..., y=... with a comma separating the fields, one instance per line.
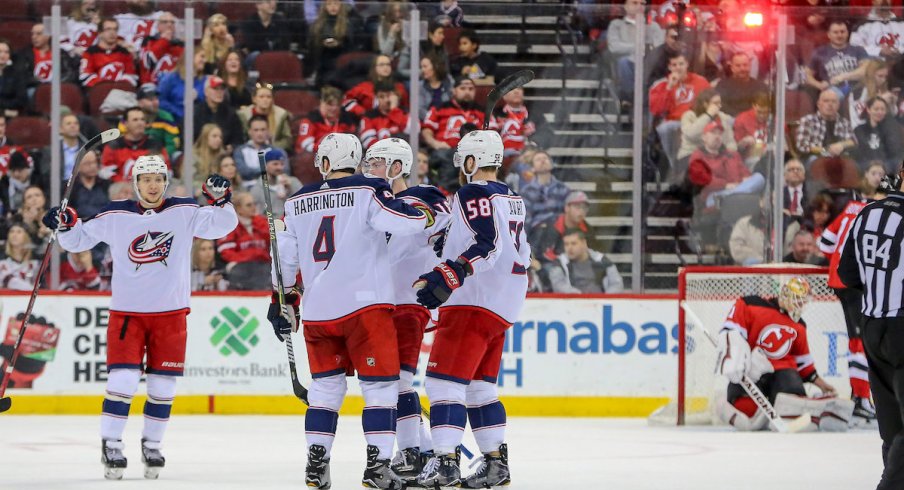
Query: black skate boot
x=441, y=471
x=492, y=473
x=152, y=458
x=863, y=410
x=378, y=473
x=317, y=473
x=113, y=459
x=407, y=464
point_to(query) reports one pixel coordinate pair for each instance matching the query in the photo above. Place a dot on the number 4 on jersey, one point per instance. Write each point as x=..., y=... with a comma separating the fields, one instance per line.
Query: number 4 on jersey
x=325, y=243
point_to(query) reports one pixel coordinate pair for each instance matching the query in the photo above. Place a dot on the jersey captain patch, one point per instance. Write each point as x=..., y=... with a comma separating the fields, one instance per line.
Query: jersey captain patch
x=153, y=246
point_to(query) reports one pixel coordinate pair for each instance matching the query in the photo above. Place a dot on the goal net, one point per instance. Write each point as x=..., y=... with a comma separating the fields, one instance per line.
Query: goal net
x=710, y=292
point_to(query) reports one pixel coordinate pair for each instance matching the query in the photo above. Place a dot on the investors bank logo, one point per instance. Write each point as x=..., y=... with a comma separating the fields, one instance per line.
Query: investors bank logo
x=234, y=331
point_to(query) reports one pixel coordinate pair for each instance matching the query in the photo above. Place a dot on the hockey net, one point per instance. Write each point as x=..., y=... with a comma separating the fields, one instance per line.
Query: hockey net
x=711, y=292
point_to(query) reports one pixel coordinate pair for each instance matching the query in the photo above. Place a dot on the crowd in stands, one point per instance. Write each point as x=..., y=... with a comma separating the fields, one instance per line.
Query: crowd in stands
x=345, y=67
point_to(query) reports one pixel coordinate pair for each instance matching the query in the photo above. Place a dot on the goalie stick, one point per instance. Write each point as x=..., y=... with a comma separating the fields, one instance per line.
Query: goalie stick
x=509, y=83
x=300, y=391
x=102, y=138
x=762, y=402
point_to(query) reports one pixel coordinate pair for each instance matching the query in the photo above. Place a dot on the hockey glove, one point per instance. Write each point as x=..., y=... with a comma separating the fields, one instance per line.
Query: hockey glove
x=734, y=355
x=52, y=218
x=216, y=190
x=439, y=241
x=429, y=213
x=759, y=365
x=436, y=286
x=284, y=322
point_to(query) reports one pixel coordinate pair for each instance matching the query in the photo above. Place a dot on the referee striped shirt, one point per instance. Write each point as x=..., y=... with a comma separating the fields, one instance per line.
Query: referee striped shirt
x=872, y=257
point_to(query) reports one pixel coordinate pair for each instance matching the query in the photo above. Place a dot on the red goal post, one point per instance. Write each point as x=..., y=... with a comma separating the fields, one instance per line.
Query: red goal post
x=710, y=291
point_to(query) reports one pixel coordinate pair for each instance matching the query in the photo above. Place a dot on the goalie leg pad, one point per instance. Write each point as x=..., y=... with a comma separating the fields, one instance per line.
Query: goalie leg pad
x=742, y=415
x=379, y=416
x=161, y=392
x=836, y=415
x=325, y=397
x=447, y=413
x=121, y=387
x=486, y=415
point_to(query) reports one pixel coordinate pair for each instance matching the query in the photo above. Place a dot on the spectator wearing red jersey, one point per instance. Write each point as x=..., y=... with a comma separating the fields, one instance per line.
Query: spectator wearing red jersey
x=249, y=242
x=120, y=154
x=107, y=61
x=670, y=98
x=388, y=119
x=362, y=97
x=160, y=52
x=329, y=118
x=35, y=62
x=751, y=129
x=514, y=122
x=714, y=168
x=77, y=272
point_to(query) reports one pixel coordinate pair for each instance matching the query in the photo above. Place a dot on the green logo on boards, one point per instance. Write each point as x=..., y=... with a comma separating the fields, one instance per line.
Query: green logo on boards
x=234, y=331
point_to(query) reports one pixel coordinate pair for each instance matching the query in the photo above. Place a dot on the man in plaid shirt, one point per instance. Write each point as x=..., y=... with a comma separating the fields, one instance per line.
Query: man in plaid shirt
x=824, y=133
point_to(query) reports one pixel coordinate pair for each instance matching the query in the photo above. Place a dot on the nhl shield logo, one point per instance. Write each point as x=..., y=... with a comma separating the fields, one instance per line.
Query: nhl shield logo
x=371, y=362
x=153, y=246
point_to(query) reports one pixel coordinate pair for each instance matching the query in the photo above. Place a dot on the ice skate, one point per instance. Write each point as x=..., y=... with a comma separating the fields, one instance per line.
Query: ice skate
x=378, y=473
x=441, y=471
x=493, y=471
x=152, y=458
x=317, y=472
x=113, y=459
x=864, y=413
x=407, y=464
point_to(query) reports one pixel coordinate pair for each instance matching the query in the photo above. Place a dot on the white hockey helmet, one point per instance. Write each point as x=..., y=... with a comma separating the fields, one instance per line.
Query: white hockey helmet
x=149, y=164
x=485, y=146
x=342, y=150
x=391, y=150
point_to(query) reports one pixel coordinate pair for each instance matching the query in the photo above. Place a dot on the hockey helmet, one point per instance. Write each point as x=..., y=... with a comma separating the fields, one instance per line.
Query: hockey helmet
x=794, y=295
x=391, y=150
x=342, y=150
x=149, y=164
x=485, y=146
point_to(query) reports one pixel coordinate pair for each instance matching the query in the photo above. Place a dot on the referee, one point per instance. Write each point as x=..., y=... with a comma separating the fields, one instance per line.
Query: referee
x=873, y=261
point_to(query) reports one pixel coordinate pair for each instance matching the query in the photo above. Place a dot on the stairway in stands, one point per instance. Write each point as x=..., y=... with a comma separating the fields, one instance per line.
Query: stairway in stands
x=589, y=142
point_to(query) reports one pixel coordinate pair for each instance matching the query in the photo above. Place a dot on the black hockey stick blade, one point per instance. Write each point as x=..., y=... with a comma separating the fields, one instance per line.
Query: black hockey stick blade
x=509, y=83
x=5, y=403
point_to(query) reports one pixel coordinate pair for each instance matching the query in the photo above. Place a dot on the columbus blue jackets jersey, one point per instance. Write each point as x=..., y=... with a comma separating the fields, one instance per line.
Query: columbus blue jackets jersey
x=412, y=255
x=487, y=230
x=336, y=237
x=151, y=249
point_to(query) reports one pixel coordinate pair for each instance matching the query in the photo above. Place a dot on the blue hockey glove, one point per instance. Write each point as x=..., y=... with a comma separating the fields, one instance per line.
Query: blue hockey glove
x=284, y=323
x=52, y=218
x=216, y=190
x=436, y=286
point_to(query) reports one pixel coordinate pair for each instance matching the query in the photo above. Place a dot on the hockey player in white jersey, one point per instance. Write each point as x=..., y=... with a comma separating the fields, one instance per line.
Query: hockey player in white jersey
x=150, y=240
x=391, y=159
x=336, y=237
x=486, y=240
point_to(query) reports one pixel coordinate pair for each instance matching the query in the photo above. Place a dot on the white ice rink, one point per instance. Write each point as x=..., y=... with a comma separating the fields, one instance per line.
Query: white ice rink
x=258, y=452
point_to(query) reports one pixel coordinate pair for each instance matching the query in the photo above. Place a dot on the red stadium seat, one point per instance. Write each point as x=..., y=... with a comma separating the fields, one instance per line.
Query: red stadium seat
x=798, y=104
x=353, y=57
x=236, y=11
x=297, y=101
x=278, y=66
x=29, y=131
x=98, y=93
x=303, y=169
x=14, y=10
x=70, y=96
x=450, y=41
x=17, y=32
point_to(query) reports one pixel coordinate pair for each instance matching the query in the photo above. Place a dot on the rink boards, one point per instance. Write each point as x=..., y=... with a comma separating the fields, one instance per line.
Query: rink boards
x=566, y=356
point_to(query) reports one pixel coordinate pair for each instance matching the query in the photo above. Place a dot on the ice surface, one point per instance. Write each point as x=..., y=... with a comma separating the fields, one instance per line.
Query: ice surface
x=258, y=452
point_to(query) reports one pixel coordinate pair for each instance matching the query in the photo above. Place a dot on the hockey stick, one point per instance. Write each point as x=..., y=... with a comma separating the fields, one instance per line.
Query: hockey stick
x=509, y=83
x=300, y=391
x=102, y=138
x=762, y=402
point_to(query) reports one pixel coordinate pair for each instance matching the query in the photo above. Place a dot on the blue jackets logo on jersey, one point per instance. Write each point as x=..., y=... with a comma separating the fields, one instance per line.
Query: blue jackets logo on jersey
x=153, y=246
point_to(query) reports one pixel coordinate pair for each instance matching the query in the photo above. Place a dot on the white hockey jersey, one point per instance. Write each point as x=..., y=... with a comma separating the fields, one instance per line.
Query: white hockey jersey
x=872, y=35
x=487, y=230
x=151, y=249
x=336, y=236
x=134, y=28
x=413, y=255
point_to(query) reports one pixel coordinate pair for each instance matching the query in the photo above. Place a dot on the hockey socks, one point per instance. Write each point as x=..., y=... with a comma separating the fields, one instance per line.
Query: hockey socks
x=858, y=369
x=409, y=420
x=320, y=427
x=161, y=392
x=488, y=424
x=121, y=386
x=379, y=417
x=447, y=425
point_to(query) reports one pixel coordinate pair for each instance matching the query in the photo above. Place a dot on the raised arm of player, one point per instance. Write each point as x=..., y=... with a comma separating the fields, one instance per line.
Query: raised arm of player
x=86, y=234
x=213, y=222
x=386, y=213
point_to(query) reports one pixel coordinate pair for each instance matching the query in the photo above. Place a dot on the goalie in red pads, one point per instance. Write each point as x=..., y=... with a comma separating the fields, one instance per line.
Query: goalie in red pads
x=766, y=339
